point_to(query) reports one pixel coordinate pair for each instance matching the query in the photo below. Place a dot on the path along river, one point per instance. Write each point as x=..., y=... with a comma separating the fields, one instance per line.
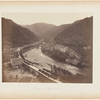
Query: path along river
x=43, y=61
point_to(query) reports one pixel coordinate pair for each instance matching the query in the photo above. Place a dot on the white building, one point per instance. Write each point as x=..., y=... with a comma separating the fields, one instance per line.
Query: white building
x=16, y=62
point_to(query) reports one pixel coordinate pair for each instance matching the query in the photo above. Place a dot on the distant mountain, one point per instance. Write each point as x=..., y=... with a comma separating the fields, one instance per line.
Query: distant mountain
x=39, y=28
x=53, y=32
x=77, y=34
x=15, y=35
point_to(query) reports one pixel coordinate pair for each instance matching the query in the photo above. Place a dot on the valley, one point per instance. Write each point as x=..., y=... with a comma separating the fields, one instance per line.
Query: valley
x=60, y=52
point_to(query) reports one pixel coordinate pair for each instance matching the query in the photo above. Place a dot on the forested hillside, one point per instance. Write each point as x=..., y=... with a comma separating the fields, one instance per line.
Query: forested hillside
x=14, y=35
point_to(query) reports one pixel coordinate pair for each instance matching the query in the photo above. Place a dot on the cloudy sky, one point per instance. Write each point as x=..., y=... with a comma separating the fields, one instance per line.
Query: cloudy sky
x=52, y=18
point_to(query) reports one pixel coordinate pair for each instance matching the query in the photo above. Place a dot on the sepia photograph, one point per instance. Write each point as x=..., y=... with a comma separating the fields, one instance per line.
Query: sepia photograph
x=47, y=47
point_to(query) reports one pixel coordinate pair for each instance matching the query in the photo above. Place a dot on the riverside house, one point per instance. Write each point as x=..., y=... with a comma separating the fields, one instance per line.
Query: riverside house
x=16, y=62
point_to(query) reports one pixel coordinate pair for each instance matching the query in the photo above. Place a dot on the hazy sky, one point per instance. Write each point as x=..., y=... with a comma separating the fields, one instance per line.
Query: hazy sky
x=52, y=18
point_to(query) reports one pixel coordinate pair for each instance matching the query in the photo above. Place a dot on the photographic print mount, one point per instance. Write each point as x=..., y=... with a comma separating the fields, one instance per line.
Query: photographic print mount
x=47, y=48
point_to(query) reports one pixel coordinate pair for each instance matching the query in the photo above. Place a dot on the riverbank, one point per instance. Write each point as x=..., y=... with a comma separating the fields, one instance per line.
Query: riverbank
x=44, y=62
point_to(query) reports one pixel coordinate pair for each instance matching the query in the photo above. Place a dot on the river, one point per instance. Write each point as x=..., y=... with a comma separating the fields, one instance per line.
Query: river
x=43, y=61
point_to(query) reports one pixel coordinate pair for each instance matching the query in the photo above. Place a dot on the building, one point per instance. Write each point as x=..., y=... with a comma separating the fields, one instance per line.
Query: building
x=75, y=54
x=16, y=62
x=86, y=48
x=74, y=61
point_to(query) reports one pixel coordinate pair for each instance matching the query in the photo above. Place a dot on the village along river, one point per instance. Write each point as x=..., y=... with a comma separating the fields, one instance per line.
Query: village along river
x=43, y=61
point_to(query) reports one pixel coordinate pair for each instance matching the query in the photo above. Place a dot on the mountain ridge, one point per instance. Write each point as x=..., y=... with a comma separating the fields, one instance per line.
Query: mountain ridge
x=39, y=28
x=16, y=35
x=81, y=29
